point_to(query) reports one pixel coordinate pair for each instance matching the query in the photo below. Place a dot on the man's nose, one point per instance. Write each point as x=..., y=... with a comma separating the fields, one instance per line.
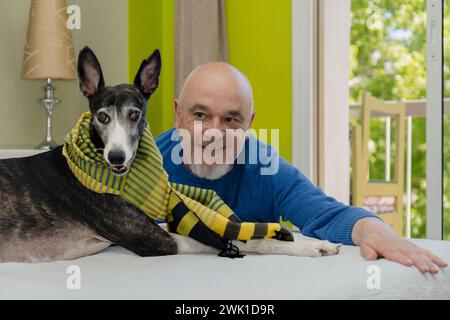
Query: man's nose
x=213, y=130
x=216, y=123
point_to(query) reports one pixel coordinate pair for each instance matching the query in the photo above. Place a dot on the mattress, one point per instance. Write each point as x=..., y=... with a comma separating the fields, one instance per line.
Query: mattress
x=117, y=273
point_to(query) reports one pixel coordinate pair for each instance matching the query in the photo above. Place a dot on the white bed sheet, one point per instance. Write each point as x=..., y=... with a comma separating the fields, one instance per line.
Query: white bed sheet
x=117, y=273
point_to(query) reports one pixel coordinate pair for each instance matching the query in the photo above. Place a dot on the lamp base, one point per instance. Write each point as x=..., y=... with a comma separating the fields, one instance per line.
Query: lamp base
x=47, y=145
x=49, y=101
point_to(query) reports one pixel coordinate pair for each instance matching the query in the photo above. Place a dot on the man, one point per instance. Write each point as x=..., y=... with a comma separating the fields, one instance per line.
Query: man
x=218, y=96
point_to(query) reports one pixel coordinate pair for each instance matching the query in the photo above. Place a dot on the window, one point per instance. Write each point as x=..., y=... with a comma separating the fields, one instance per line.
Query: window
x=388, y=59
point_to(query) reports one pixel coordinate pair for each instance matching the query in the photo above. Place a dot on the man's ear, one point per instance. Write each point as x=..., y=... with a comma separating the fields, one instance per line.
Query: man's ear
x=147, y=78
x=251, y=119
x=177, y=113
x=89, y=72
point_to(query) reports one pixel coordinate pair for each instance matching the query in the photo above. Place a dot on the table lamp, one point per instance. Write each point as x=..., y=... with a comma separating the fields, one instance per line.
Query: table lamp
x=49, y=53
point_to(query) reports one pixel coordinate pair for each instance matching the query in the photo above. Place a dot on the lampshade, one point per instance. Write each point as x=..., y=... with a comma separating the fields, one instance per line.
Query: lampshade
x=49, y=51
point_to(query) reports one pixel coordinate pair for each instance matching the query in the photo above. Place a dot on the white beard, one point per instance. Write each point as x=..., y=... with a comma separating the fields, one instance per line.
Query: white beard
x=211, y=172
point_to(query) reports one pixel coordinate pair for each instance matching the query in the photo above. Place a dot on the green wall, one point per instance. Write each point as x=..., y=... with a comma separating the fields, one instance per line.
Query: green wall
x=151, y=26
x=259, y=35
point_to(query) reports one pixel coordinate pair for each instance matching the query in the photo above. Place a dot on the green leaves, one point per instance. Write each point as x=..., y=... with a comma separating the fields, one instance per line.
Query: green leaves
x=388, y=59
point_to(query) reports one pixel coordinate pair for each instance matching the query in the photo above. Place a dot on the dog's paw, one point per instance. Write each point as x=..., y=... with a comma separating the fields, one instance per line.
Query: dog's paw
x=327, y=248
x=314, y=248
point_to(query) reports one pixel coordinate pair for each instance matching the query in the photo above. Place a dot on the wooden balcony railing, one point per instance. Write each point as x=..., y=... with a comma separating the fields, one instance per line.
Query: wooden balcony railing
x=413, y=109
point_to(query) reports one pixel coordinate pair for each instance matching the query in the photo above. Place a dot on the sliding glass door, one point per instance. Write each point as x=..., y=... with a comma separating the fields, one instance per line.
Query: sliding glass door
x=446, y=135
x=396, y=54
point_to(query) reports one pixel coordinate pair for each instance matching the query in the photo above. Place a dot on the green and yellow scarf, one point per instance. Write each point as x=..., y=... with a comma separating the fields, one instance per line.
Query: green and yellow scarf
x=190, y=211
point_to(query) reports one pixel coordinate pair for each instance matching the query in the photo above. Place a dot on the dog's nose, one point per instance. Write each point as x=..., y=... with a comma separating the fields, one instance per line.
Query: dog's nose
x=116, y=157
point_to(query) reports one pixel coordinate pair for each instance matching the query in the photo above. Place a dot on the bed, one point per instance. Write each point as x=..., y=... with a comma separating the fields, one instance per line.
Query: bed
x=117, y=273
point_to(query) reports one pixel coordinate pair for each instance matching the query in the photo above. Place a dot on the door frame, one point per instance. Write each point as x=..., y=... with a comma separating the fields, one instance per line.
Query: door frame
x=320, y=43
x=434, y=121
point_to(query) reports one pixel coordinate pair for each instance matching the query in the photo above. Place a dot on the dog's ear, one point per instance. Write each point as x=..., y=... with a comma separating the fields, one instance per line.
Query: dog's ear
x=147, y=78
x=89, y=72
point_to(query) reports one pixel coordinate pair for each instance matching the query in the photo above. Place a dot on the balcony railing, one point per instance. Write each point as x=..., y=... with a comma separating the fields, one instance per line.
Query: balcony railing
x=413, y=109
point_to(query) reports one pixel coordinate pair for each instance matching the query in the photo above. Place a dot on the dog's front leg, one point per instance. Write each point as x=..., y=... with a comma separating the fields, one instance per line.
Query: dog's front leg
x=302, y=248
x=305, y=248
x=186, y=245
x=128, y=227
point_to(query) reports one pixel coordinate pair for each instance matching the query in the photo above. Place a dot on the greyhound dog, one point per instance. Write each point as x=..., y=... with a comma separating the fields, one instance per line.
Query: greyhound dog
x=47, y=215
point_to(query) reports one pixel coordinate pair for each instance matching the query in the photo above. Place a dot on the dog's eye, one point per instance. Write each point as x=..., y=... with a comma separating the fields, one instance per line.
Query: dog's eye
x=103, y=117
x=134, y=115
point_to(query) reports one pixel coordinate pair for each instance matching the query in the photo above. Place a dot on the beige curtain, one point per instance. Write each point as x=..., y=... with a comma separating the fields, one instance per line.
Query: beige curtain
x=200, y=36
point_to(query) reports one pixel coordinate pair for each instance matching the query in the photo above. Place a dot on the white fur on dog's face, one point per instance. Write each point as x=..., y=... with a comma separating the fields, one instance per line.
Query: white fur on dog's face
x=118, y=111
x=120, y=133
x=117, y=139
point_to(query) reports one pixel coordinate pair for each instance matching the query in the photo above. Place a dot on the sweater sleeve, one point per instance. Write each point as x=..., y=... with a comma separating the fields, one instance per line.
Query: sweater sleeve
x=317, y=215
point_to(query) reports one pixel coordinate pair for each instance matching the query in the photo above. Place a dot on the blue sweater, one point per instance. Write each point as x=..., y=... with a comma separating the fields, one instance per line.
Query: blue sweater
x=266, y=198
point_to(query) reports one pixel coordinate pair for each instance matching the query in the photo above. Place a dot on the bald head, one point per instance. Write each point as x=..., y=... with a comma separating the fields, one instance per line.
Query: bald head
x=219, y=97
x=221, y=80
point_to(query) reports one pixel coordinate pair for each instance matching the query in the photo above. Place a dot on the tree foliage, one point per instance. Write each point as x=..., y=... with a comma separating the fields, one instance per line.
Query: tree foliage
x=388, y=59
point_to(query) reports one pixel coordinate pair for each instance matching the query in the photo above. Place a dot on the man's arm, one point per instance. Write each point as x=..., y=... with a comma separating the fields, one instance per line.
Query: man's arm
x=377, y=239
x=320, y=216
x=317, y=215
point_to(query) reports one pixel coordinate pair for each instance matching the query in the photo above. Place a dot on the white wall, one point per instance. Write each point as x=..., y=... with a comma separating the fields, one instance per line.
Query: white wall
x=334, y=146
x=321, y=38
x=104, y=27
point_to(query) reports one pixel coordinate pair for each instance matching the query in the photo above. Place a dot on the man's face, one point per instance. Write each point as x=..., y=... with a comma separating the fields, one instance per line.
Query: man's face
x=211, y=111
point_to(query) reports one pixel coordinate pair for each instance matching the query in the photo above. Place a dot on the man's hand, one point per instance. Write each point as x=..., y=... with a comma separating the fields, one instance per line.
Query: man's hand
x=377, y=239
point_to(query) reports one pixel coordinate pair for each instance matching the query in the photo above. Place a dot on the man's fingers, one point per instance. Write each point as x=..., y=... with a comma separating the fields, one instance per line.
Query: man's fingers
x=391, y=252
x=397, y=256
x=437, y=261
x=368, y=253
x=431, y=267
x=422, y=263
x=385, y=244
x=423, y=257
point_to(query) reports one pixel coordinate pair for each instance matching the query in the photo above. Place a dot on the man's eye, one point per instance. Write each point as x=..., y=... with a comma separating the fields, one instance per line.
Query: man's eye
x=230, y=120
x=199, y=115
x=134, y=116
x=103, y=117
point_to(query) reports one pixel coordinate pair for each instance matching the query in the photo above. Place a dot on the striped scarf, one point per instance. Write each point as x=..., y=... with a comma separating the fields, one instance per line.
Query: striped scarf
x=198, y=213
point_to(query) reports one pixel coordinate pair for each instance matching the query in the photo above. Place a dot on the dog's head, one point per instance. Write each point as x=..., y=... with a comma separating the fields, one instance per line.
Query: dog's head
x=118, y=112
